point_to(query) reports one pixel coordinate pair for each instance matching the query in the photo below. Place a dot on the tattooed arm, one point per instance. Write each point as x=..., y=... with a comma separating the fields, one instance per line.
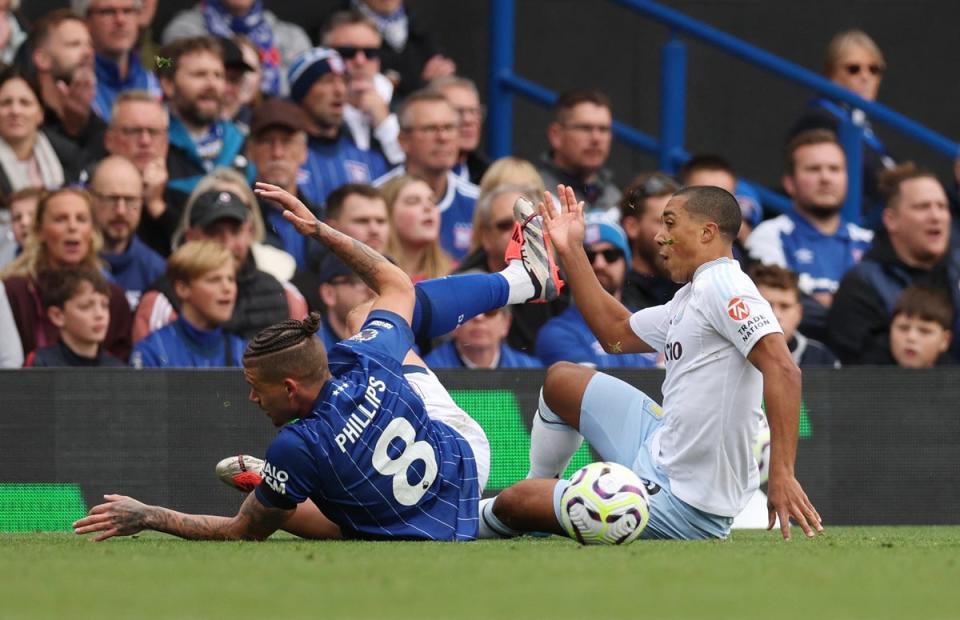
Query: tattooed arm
x=395, y=290
x=123, y=516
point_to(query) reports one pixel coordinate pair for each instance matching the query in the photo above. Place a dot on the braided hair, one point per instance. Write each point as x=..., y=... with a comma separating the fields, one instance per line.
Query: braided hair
x=288, y=348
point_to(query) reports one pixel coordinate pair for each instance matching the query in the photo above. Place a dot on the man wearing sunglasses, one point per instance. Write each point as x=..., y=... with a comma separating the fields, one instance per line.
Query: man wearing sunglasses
x=567, y=337
x=367, y=112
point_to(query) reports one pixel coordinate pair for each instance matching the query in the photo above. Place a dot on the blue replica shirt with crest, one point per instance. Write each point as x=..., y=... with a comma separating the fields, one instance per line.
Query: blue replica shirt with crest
x=456, y=212
x=369, y=456
x=820, y=260
x=332, y=163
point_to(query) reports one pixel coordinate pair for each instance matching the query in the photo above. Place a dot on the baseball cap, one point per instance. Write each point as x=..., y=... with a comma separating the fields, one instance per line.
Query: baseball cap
x=277, y=112
x=309, y=67
x=216, y=205
x=749, y=201
x=233, y=55
x=332, y=266
x=600, y=230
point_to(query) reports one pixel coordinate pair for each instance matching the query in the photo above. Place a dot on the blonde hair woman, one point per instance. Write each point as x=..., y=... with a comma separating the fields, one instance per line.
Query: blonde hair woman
x=63, y=235
x=414, y=240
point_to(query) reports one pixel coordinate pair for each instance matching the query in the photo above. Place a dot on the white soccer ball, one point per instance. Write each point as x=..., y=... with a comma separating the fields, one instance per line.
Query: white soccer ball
x=605, y=504
x=761, y=450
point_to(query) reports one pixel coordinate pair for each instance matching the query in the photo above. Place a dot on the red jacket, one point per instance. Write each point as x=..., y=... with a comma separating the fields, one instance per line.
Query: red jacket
x=37, y=331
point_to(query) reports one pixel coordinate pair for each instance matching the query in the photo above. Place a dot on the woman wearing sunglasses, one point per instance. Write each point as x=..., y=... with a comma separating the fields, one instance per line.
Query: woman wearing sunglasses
x=855, y=62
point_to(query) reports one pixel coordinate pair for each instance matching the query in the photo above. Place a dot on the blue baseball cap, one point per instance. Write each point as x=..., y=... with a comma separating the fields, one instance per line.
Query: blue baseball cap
x=600, y=229
x=309, y=67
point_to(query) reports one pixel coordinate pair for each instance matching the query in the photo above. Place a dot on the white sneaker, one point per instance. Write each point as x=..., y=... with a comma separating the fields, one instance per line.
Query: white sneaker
x=242, y=472
x=530, y=243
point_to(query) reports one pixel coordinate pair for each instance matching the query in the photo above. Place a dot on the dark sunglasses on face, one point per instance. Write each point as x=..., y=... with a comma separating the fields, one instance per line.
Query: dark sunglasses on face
x=349, y=52
x=610, y=255
x=855, y=69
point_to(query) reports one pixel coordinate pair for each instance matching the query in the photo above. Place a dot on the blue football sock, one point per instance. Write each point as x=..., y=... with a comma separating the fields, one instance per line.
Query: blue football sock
x=444, y=303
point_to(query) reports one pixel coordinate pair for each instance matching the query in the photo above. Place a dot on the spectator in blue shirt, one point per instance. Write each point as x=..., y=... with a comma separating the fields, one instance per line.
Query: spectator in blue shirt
x=481, y=343
x=203, y=274
x=430, y=137
x=341, y=290
x=117, y=190
x=567, y=337
x=318, y=85
x=114, y=29
x=813, y=240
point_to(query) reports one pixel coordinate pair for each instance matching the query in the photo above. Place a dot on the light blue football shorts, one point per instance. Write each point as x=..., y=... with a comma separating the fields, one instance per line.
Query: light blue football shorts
x=621, y=433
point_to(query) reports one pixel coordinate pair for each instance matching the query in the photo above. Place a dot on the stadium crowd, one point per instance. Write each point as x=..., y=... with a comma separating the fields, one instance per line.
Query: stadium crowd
x=129, y=233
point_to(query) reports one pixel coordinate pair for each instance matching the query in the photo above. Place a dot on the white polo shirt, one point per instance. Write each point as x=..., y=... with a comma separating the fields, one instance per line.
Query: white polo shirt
x=711, y=394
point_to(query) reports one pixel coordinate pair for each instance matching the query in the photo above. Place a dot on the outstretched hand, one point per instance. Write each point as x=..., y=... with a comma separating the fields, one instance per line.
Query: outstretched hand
x=566, y=228
x=786, y=500
x=294, y=211
x=119, y=516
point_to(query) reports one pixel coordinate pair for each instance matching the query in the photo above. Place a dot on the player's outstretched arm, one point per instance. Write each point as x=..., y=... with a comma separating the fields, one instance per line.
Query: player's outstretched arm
x=395, y=290
x=123, y=516
x=781, y=397
x=608, y=319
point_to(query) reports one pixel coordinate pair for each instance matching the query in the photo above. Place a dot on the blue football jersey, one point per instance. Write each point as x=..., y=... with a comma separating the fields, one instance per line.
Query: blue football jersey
x=456, y=211
x=369, y=456
x=332, y=163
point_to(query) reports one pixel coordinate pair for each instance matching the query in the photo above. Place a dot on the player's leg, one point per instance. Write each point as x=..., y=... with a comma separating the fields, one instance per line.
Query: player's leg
x=527, y=506
x=530, y=276
x=555, y=434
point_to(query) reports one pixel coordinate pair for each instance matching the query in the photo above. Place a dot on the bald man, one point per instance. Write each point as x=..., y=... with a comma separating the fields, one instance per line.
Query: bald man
x=117, y=189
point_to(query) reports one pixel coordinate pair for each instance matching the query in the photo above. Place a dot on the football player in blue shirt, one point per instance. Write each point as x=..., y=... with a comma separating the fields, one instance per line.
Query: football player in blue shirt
x=378, y=449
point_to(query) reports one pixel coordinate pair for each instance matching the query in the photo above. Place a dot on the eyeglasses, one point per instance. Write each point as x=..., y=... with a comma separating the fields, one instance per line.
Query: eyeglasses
x=136, y=132
x=114, y=200
x=873, y=69
x=610, y=255
x=434, y=130
x=475, y=112
x=114, y=11
x=603, y=130
x=503, y=225
x=349, y=52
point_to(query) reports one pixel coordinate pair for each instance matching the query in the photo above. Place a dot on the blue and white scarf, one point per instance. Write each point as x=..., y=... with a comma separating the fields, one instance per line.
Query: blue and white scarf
x=209, y=145
x=394, y=28
x=254, y=26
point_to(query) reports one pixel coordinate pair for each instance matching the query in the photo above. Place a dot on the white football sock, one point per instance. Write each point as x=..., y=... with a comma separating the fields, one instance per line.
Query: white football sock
x=552, y=443
x=490, y=525
x=521, y=286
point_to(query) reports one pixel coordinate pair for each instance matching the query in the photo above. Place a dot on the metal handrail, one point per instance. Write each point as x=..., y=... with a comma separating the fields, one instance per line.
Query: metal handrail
x=669, y=147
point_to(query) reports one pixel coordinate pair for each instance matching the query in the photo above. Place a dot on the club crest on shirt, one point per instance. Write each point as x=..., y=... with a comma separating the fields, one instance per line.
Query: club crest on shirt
x=738, y=309
x=365, y=335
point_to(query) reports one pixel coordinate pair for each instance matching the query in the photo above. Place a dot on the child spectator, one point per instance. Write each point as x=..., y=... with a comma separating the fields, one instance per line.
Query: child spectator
x=920, y=331
x=77, y=301
x=203, y=275
x=781, y=288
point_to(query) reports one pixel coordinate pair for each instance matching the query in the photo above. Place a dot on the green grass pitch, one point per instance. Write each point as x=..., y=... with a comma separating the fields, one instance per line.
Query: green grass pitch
x=891, y=572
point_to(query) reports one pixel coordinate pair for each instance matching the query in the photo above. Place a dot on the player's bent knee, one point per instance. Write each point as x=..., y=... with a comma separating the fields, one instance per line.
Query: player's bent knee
x=563, y=389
